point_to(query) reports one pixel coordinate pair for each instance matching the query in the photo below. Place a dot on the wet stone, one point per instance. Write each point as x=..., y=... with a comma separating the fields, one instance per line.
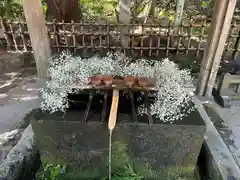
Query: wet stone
x=19, y=157
x=7, y=141
x=3, y=152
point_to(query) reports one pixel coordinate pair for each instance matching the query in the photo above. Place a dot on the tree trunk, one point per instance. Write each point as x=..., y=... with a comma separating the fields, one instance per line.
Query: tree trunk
x=66, y=10
x=125, y=16
x=38, y=35
x=179, y=12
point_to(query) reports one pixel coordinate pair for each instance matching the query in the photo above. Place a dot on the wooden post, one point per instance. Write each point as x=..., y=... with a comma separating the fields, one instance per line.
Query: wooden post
x=179, y=12
x=177, y=22
x=38, y=34
x=125, y=16
x=212, y=43
x=220, y=48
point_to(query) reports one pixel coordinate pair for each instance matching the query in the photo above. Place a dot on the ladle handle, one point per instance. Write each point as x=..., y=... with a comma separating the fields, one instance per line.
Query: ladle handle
x=114, y=108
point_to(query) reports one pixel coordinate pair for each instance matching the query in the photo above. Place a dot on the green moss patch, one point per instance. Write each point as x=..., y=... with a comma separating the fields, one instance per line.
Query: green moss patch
x=124, y=167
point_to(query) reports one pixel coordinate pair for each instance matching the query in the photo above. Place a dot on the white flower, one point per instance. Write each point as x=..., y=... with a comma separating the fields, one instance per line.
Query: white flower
x=172, y=99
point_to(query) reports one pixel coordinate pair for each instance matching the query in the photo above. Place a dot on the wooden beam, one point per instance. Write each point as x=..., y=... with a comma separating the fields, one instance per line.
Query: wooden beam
x=38, y=34
x=219, y=13
x=221, y=45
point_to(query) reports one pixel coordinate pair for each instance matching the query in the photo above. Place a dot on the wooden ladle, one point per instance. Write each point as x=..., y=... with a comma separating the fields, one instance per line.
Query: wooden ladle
x=113, y=112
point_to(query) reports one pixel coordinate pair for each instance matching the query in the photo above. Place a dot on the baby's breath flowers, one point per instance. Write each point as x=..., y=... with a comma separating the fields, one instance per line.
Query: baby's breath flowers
x=172, y=99
x=65, y=70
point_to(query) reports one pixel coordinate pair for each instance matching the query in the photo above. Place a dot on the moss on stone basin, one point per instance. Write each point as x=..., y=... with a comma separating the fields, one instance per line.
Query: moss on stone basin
x=123, y=168
x=151, y=150
x=124, y=173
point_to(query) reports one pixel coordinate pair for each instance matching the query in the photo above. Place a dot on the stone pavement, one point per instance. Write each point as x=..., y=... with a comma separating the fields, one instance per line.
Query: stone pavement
x=228, y=126
x=18, y=96
x=216, y=156
x=230, y=131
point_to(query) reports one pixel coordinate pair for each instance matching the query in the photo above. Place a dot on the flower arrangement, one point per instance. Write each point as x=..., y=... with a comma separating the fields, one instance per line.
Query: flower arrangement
x=172, y=99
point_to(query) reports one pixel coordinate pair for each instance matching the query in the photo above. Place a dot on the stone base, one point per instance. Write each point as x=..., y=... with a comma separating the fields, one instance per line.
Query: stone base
x=228, y=91
x=84, y=145
x=226, y=101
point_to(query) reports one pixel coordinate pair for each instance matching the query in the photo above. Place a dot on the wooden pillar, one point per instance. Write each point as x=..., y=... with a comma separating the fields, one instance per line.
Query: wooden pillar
x=212, y=43
x=220, y=48
x=38, y=34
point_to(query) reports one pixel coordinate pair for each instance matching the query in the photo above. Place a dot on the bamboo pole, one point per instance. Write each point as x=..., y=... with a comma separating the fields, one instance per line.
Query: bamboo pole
x=220, y=48
x=212, y=43
x=38, y=34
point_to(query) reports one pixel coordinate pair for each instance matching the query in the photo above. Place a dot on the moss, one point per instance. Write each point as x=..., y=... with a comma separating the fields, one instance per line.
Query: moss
x=122, y=156
x=82, y=174
x=52, y=160
x=119, y=155
x=165, y=173
x=124, y=167
x=138, y=151
x=129, y=173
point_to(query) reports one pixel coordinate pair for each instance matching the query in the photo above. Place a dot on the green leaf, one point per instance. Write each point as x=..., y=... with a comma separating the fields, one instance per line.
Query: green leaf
x=164, y=14
x=204, y=4
x=171, y=18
